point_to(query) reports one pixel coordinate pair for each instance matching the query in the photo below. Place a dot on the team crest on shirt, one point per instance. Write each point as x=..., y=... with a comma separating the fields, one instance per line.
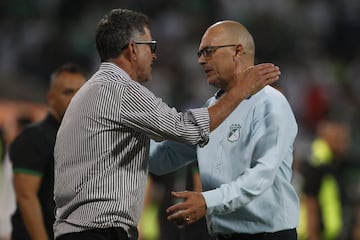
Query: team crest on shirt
x=234, y=132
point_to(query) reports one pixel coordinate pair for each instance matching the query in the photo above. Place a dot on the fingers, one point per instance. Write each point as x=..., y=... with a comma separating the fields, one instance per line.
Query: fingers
x=271, y=74
x=179, y=217
x=179, y=213
x=183, y=221
x=175, y=208
x=258, y=76
x=268, y=70
x=179, y=194
x=179, y=206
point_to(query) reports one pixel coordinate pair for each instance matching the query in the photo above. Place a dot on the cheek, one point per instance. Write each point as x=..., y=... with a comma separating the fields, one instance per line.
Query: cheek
x=227, y=69
x=66, y=100
x=63, y=102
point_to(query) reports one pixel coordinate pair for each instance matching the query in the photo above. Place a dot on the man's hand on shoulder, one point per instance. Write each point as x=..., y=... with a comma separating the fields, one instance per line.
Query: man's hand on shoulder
x=254, y=78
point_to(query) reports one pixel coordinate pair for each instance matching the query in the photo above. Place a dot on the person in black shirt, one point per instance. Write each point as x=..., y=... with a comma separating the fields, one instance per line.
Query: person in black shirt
x=32, y=157
x=324, y=180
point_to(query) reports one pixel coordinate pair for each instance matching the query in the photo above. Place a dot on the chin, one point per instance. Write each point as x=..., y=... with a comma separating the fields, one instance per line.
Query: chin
x=143, y=80
x=211, y=82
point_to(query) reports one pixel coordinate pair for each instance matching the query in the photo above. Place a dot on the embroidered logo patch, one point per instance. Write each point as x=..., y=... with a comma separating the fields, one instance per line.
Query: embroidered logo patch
x=234, y=132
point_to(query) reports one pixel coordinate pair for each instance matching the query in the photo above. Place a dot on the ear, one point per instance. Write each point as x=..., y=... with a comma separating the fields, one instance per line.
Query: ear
x=132, y=51
x=239, y=50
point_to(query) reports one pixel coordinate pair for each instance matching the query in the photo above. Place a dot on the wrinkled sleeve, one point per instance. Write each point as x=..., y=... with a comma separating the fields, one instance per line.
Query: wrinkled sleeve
x=27, y=153
x=168, y=156
x=143, y=111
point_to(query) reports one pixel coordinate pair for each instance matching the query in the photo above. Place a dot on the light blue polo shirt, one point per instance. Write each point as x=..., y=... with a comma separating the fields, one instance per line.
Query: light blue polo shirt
x=246, y=167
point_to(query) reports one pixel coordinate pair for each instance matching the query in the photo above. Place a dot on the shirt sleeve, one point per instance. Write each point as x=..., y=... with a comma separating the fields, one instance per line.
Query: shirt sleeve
x=143, y=111
x=274, y=130
x=27, y=153
x=168, y=156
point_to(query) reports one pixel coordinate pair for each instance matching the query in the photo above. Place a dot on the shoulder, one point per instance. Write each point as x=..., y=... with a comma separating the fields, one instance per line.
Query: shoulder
x=271, y=97
x=270, y=103
x=25, y=141
x=272, y=94
x=109, y=72
x=32, y=133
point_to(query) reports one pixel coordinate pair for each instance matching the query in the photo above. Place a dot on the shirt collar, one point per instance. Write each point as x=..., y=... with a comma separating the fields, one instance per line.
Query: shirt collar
x=220, y=92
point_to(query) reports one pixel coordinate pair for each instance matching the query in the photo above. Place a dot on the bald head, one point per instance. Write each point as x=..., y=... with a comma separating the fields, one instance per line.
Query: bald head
x=225, y=48
x=231, y=32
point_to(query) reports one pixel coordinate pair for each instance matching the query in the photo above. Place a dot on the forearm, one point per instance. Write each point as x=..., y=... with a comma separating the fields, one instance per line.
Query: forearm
x=313, y=222
x=31, y=213
x=223, y=107
x=168, y=156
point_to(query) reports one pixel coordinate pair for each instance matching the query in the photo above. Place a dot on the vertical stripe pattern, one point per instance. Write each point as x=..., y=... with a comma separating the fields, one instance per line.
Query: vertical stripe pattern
x=101, y=151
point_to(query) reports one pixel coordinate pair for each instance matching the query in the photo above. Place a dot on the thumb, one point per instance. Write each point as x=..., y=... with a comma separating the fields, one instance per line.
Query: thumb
x=178, y=194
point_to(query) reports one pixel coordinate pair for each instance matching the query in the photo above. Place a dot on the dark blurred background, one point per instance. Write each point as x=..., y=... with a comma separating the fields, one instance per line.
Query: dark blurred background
x=315, y=43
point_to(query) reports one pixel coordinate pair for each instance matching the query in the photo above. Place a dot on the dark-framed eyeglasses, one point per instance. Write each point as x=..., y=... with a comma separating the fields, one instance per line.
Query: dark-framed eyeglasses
x=208, y=51
x=150, y=43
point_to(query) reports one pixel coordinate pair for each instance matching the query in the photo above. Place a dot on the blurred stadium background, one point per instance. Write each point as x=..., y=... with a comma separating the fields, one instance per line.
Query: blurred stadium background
x=315, y=43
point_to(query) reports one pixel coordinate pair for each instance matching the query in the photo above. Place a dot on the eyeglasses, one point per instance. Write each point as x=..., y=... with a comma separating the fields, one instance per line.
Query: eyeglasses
x=207, y=52
x=151, y=44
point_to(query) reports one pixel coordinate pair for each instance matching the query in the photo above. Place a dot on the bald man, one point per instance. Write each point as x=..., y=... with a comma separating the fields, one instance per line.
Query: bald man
x=33, y=162
x=246, y=167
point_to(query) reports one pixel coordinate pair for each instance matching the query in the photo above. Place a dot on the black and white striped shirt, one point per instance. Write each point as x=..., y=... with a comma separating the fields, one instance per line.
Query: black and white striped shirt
x=101, y=151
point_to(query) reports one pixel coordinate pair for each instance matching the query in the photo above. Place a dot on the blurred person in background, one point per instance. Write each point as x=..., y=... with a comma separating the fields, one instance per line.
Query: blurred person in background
x=158, y=198
x=32, y=158
x=102, y=146
x=323, y=190
x=246, y=168
x=185, y=178
x=7, y=193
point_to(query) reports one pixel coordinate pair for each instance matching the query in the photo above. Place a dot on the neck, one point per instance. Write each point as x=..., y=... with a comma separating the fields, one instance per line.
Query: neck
x=55, y=115
x=126, y=65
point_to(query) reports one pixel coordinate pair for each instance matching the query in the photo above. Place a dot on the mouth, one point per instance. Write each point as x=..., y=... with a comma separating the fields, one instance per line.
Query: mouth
x=207, y=71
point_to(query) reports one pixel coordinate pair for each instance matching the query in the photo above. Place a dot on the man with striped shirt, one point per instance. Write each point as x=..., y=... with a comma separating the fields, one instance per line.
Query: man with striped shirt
x=102, y=147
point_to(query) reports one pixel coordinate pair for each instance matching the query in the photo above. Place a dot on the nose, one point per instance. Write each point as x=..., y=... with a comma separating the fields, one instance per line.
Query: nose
x=201, y=59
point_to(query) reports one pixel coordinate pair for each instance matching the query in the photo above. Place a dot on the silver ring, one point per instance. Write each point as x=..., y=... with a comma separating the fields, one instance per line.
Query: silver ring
x=187, y=219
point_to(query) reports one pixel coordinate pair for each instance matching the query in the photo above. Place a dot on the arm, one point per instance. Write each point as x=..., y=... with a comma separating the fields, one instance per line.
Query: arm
x=168, y=156
x=28, y=156
x=26, y=189
x=143, y=111
x=313, y=218
x=313, y=176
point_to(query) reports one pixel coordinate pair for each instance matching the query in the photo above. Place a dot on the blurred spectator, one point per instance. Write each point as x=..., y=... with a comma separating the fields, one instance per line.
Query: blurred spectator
x=31, y=154
x=317, y=36
x=2, y=146
x=159, y=194
x=324, y=192
x=7, y=194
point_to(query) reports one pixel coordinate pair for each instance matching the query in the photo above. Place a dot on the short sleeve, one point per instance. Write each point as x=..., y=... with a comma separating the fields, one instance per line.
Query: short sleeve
x=29, y=152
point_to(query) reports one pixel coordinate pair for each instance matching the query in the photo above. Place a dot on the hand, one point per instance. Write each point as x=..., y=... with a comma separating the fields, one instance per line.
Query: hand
x=255, y=78
x=190, y=210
